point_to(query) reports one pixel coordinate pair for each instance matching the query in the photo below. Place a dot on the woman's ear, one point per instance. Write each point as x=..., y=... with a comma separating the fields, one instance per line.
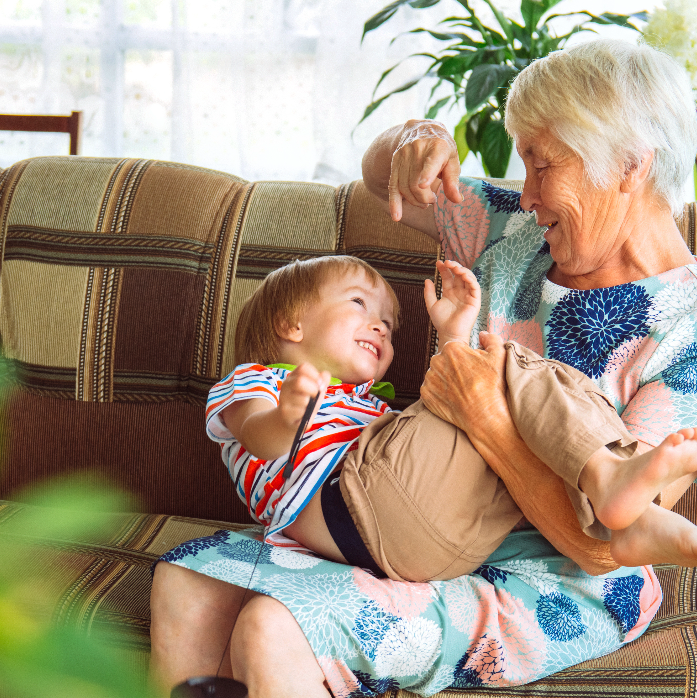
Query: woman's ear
x=289, y=332
x=636, y=173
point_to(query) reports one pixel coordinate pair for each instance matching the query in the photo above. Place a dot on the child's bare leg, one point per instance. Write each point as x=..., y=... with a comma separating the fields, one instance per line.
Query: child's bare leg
x=310, y=530
x=621, y=489
x=658, y=536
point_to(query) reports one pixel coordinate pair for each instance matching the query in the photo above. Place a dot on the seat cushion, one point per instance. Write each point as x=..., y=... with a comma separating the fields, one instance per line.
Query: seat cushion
x=97, y=578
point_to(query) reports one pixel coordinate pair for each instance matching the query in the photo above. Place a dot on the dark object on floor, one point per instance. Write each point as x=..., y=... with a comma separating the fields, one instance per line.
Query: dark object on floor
x=204, y=686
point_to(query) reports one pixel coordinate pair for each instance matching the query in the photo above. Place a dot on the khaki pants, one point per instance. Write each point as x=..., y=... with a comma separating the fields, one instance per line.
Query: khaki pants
x=428, y=507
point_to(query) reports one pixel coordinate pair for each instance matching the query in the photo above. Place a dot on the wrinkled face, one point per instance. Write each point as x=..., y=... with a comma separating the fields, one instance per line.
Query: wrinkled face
x=348, y=332
x=584, y=223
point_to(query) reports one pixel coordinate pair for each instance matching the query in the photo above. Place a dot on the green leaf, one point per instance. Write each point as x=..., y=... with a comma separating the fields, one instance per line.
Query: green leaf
x=381, y=17
x=431, y=113
x=496, y=148
x=440, y=36
x=459, y=64
x=483, y=82
x=475, y=128
x=461, y=140
x=420, y=4
x=374, y=105
x=532, y=11
x=501, y=19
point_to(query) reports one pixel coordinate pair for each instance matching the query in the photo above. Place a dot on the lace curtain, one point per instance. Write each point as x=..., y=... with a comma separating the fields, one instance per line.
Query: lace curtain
x=266, y=89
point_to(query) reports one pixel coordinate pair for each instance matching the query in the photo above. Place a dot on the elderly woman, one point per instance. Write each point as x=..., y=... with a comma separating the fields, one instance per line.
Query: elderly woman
x=598, y=278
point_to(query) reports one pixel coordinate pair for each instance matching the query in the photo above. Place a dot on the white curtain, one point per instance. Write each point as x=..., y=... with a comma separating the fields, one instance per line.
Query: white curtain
x=266, y=89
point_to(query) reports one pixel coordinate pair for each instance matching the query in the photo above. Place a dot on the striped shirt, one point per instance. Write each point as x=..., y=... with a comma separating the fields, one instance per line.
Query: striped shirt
x=345, y=411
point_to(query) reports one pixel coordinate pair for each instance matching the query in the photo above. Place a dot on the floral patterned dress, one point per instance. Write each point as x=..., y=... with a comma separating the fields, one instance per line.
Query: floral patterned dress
x=528, y=611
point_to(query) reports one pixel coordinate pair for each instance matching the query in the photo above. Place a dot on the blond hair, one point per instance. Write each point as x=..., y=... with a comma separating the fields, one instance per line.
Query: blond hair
x=612, y=103
x=282, y=297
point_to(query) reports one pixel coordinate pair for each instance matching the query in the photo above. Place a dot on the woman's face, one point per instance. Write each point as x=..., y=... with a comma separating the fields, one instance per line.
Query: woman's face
x=584, y=224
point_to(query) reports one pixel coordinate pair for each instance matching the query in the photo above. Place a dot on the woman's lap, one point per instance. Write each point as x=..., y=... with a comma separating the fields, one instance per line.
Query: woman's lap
x=527, y=613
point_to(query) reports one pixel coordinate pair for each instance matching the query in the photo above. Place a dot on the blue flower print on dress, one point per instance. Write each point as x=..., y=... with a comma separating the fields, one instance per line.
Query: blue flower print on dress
x=372, y=687
x=586, y=326
x=247, y=551
x=681, y=375
x=559, y=617
x=191, y=547
x=491, y=574
x=370, y=626
x=527, y=300
x=621, y=599
x=464, y=676
x=502, y=200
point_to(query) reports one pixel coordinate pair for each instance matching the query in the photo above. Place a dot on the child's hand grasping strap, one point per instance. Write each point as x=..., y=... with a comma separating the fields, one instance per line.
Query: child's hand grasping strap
x=455, y=313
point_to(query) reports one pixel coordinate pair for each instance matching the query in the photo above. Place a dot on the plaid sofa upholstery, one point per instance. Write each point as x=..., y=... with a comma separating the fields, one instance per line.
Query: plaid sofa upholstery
x=121, y=283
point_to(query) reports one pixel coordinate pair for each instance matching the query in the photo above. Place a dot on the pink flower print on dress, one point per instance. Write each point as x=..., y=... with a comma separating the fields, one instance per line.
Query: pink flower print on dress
x=471, y=604
x=488, y=660
x=527, y=333
x=650, y=416
x=401, y=599
x=650, y=599
x=620, y=381
x=679, y=275
x=340, y=678
x=463, y=227
x=522, y=639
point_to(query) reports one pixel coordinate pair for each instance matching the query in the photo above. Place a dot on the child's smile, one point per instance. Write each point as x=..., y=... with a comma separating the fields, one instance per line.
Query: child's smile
x=347, y=332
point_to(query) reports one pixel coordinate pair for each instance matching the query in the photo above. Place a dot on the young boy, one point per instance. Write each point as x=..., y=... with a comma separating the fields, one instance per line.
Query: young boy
x=414, y=500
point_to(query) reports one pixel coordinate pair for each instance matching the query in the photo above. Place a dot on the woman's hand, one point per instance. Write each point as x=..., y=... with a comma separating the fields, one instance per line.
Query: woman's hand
x=467, y=388
x=425, y=154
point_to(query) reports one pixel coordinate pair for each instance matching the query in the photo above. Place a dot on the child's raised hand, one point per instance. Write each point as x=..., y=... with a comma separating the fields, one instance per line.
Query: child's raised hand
x=297, y=390
x=455, y=313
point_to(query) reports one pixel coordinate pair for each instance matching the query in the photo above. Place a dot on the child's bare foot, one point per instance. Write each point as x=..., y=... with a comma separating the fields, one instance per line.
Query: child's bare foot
x=621, y=489
x=658, y=536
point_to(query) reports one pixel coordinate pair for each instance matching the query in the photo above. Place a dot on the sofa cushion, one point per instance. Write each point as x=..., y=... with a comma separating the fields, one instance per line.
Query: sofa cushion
x=99, y=581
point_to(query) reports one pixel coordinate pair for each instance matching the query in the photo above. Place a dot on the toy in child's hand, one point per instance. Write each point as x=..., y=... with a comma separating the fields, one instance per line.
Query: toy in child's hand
x=220, y=686
x=288, y=469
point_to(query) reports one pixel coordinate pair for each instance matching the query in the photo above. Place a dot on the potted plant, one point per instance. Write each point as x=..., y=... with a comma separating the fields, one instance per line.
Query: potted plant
x=479, y=62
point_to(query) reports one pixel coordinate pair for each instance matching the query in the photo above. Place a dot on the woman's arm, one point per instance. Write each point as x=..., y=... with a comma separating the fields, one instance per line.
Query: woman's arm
x=404, y=166
x=466, y=387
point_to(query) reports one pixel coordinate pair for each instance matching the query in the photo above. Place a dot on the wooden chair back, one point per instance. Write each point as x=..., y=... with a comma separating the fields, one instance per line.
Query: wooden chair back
x=46, y=124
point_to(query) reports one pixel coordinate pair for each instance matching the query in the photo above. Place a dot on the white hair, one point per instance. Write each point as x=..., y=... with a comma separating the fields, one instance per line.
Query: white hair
x=612, y=103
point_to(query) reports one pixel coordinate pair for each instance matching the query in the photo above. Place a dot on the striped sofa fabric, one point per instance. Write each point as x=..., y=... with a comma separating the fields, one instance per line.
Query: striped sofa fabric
x=120, y=287
x=122, y=281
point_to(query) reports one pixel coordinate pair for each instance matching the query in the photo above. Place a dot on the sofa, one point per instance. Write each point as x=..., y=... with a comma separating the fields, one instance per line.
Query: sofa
x=121, y=282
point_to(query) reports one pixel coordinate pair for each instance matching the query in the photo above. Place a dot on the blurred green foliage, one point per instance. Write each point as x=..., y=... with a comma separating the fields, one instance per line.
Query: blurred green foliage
x=39, y=658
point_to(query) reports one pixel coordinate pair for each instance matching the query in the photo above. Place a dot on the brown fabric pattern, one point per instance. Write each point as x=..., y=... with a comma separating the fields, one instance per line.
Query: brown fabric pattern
x=10, y=177
x=686, y=225
x=213, y=316
x=156, y=451
x=96, y=366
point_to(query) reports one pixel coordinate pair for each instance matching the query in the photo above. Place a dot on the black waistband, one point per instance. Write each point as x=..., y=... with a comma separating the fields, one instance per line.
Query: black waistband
x=343, y=530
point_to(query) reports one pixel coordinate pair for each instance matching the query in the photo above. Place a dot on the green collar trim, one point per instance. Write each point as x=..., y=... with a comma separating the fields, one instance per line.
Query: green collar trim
x=382, y=390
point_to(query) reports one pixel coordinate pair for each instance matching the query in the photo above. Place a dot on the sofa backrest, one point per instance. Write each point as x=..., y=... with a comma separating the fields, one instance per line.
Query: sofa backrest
x=121, y=284
x=120, y=287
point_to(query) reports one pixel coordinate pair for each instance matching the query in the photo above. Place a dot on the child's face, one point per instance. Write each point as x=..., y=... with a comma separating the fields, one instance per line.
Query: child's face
x=348, y=332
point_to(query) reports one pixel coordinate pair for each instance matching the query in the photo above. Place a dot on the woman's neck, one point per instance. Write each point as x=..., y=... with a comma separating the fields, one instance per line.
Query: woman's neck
x=652, y=245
